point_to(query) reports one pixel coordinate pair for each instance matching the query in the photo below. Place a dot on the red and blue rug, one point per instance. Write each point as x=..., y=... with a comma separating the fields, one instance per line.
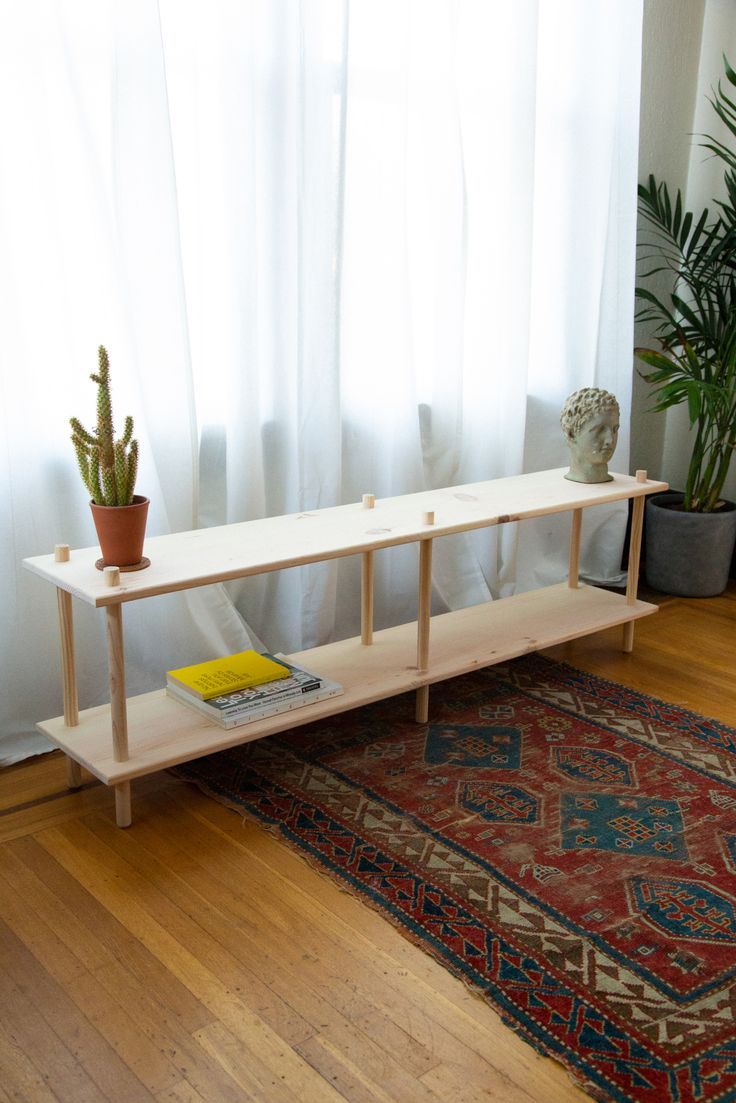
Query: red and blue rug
x=564, y=844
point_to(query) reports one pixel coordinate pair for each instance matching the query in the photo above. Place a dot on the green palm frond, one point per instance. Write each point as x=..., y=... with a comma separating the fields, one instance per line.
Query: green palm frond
x=695, y=322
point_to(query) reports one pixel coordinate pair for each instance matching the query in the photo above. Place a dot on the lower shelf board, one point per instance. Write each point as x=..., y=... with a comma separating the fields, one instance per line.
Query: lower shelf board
x=162, y=732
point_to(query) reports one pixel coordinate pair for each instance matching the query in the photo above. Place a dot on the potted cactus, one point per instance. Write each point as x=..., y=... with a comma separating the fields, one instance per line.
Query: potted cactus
x=109, y=468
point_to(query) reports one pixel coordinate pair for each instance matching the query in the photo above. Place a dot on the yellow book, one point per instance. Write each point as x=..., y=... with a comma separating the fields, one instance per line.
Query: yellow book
x=227, y=675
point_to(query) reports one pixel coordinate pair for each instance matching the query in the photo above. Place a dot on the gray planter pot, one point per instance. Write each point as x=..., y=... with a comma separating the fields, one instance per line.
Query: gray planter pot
x=688, y=554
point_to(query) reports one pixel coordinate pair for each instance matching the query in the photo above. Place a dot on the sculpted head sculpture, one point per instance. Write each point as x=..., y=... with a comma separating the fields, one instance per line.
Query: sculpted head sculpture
x=590, y=422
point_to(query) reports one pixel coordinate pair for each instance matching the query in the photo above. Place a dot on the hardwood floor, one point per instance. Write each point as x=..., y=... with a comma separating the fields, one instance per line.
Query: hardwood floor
x=192, y=958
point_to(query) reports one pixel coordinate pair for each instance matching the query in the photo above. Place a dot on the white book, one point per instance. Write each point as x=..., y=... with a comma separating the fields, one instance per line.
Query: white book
x=327, y=689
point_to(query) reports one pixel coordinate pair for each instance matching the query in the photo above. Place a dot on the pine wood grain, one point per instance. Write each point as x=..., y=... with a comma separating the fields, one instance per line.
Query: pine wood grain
x=206, y=556
x=161, y=732
x=194, y=957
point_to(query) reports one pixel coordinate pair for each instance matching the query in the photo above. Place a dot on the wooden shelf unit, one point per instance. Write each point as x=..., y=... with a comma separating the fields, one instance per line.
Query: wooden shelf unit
x=130, y=738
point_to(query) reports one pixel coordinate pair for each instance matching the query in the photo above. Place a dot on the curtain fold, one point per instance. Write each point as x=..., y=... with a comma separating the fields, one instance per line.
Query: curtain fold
x=89, y=255
x=332, y=248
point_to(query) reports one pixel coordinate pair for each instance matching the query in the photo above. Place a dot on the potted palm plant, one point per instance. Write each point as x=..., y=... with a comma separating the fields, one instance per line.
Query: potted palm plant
x=109, y=468
x=690, y=535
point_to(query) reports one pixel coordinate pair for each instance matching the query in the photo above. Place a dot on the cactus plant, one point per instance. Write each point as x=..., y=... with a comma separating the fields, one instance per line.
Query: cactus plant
x=108, y=466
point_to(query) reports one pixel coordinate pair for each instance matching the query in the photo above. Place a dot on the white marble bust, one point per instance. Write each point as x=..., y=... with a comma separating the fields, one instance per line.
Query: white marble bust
x=590, y=421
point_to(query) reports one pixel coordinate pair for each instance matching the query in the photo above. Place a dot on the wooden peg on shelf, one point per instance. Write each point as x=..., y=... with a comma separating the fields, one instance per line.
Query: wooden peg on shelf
x=369, y=501
x=61, y=553
x=641, y=476
x=428, y=517
x=112, y=576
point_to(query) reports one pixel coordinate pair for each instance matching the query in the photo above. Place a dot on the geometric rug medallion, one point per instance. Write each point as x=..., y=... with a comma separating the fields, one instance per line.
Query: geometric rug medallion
x=565, y=845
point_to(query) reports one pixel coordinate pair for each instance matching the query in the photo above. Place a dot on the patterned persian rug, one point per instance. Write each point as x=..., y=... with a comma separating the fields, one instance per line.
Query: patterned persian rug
x=565, y=845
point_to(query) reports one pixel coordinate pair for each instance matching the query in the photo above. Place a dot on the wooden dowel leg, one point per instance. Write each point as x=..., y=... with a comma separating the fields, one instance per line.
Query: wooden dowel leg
x=116, y=667
x=423, y=621
x=118, y=708
x=73, y=773
x=425, y=597
x=366, y=603
x=68, y=665
x=123, y=813
x=69, y=679
x=573, y=574
x=422, y=705
x=637, y=525
x=632, y=580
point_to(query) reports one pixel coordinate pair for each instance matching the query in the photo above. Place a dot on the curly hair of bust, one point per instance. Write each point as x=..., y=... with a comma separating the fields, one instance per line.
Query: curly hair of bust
x=582, y=405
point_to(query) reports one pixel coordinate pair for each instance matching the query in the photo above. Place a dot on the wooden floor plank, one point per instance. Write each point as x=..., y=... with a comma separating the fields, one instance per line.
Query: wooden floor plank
x=255, y=1079
x=223, y=936
x=448, y=1082
x=21, y=1078
x=327, y=957
x=403, y=966
x=114, y=1078
x=61, y=804
x=123, y=1029
x=288, y=948
x=294, y=972
x=161, y=1025
x=104, y=874
x=46, y=920
x=344, y=1063
x=35, y=779
x=32, y=1032
x=18, y=821
x=183, y=1092
x=354, y=1081
x=102, y=937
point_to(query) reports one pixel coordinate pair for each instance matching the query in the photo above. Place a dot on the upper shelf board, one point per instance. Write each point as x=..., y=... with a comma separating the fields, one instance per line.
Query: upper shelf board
x=206, y=556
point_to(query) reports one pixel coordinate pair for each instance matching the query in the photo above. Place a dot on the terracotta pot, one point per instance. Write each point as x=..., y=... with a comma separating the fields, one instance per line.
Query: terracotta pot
x=121, y=531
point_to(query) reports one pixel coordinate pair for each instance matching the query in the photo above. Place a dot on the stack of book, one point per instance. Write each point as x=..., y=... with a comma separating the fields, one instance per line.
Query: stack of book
x=239, y=689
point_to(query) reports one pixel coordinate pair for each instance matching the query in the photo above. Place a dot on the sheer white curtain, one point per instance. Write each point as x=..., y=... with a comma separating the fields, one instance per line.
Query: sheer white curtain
x=332, y=248
x=489, y=255
x=89, y=254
